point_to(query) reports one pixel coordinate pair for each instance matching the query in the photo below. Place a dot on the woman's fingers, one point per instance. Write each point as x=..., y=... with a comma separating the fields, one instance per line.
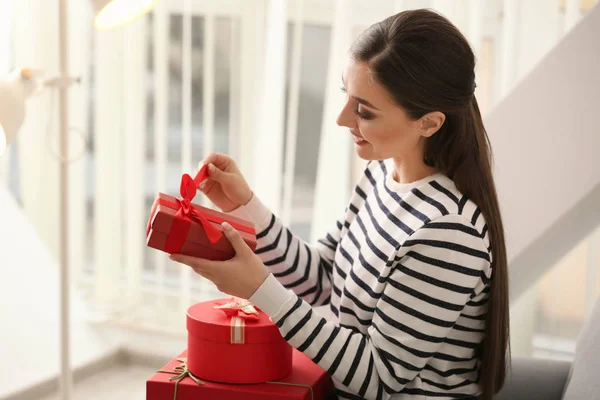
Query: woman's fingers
x=218, y=175
x=221, y=161
x=206, y=185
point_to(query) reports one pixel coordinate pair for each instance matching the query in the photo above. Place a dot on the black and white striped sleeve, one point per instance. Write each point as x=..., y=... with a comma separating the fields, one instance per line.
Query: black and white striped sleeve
x=426, y=288
x=303, y=268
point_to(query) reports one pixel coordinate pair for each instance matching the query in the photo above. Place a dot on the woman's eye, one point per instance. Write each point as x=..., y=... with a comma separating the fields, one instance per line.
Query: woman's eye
x=362, y=115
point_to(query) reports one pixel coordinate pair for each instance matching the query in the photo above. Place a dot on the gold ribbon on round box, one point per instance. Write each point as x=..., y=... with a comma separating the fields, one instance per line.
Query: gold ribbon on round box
x=240, y=311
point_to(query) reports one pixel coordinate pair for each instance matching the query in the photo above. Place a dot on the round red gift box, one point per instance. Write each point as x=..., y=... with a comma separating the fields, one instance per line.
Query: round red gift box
x=262, y=357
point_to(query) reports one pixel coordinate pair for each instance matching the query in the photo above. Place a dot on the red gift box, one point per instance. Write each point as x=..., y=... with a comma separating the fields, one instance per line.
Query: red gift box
x=307, y=381
x=235, y=344
x=176, y=225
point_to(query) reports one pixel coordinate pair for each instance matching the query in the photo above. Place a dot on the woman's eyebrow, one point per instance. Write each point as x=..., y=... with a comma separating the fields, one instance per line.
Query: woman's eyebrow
x=358, y=99
x=365, y=102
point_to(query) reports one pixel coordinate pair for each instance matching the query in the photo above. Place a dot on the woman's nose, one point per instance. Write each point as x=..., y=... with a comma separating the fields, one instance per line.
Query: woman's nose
x=346, y=117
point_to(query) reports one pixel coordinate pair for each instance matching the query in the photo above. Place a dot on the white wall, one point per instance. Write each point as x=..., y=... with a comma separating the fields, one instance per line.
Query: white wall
x=29, y=315
x=545, y=139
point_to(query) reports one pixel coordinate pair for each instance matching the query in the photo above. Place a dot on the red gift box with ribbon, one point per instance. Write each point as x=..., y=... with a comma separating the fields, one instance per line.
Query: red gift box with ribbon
x=307, y=381
x=176, y=225
x=231, y=341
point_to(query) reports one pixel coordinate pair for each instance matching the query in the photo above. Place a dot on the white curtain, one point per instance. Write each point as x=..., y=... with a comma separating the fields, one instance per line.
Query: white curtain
x=333, y=169
x=113, y=180
x=36, y=45
x=268, y=175
x=6, y=18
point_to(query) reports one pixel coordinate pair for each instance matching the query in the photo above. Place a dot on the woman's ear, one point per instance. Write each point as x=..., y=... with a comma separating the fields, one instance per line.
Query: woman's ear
x=431, y=123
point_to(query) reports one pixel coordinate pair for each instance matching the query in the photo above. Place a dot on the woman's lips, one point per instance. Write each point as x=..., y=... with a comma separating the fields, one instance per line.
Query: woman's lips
x=359, y=140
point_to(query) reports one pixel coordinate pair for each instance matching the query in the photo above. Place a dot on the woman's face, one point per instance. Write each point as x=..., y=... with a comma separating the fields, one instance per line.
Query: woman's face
x=380, y=128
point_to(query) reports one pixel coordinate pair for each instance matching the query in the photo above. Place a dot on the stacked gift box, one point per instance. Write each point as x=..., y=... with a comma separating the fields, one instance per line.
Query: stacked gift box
x=234, y=350
x=236, y=357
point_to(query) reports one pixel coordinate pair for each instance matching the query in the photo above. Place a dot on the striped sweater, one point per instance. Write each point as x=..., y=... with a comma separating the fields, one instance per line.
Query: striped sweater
x=406, y=275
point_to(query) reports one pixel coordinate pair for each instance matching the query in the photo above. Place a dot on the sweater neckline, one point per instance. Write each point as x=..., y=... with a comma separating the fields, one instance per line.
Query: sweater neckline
x=398, y=187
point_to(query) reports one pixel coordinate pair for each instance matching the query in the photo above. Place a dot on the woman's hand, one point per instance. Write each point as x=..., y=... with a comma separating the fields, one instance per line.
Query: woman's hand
x=240, y=276
x=225, y=185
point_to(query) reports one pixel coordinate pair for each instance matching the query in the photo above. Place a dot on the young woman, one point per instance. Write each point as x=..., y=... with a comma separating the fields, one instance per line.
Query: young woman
x=414, y=272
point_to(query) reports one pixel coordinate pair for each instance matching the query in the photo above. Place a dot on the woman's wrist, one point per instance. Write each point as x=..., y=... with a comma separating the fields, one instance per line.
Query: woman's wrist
x=255, y=211
x=249, y=197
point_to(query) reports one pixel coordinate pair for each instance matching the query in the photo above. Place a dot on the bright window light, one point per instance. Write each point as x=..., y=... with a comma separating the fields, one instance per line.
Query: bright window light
x=2, y=141
x=120, y=12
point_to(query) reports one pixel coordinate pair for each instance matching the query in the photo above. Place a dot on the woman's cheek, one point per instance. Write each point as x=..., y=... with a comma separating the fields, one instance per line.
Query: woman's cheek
x=374, y=135
x=368, y=130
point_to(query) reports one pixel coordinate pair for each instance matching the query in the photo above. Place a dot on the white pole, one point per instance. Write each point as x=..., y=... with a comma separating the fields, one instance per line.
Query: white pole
x=79, y=56
x=186, y=125
x=108, y=147
x=135, y=156
x=208, y=102
x=249, y=84
x=292, y=120
x=234, y=90
x=66, y=379
x=269, y=137
x=161, y=118
x=333, y=186
x=208, y=92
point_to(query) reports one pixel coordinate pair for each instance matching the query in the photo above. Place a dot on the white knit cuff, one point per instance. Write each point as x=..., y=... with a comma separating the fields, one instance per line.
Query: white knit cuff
x=271, y=296
x=254, y=211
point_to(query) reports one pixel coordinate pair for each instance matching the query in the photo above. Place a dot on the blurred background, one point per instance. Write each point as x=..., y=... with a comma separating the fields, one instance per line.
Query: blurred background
x=258, y=80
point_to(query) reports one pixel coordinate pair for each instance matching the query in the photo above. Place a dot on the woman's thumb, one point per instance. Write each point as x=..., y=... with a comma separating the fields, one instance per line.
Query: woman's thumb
x=234, y=237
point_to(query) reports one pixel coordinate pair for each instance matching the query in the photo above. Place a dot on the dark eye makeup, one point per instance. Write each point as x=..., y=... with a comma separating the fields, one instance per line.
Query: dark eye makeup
x=360, y=114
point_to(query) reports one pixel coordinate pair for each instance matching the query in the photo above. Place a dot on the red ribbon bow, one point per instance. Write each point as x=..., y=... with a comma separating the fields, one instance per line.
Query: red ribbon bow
x=239, y=308
x=186, y=213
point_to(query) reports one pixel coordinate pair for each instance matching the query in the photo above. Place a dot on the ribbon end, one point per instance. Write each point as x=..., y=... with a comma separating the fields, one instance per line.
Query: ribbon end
x=201, y=175
x=212, y=232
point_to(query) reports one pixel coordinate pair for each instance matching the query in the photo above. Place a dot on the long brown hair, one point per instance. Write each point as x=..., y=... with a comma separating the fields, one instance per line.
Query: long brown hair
x=427, y=65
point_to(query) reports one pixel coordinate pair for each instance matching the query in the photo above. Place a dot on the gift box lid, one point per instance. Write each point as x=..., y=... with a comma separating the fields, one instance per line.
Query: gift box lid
x=208, y=323
x=163, y=212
